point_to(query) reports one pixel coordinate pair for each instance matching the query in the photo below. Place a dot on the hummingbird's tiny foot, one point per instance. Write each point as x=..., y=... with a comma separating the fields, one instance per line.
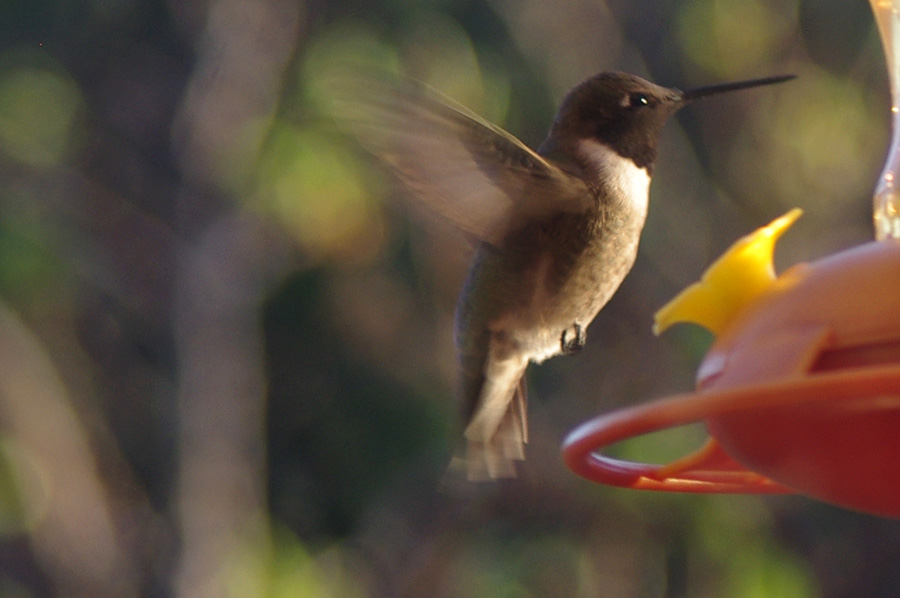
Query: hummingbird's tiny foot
x=567, y=346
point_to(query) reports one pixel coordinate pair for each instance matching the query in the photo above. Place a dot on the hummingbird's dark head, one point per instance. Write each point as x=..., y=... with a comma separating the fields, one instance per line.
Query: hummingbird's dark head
x=627, y=113
x=622, y=111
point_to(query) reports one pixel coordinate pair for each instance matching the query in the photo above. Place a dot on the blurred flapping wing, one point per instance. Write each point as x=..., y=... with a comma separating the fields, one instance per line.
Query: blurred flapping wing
x=460, y=166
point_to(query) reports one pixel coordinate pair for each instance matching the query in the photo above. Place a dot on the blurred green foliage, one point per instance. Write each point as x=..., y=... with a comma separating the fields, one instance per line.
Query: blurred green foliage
x=39, y=112
x=254, y=331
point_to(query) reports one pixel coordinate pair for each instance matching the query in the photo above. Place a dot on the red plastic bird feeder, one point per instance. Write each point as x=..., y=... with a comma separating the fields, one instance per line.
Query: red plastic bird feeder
x=800, y=392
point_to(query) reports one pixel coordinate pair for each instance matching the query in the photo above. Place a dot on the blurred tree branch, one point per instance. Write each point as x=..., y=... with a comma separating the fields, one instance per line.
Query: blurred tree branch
x=221, y=281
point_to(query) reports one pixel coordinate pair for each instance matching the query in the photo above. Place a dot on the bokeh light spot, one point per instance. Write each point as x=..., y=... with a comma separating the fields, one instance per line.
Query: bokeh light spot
x=728, y=37
x=318, y=190
x=39, y=114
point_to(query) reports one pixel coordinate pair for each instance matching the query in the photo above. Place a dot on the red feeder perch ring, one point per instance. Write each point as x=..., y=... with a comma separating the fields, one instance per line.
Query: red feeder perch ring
x=711, y=470
x=800, y=391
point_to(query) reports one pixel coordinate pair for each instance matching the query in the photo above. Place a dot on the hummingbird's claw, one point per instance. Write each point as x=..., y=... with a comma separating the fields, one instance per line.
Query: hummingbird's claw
x=568, y=347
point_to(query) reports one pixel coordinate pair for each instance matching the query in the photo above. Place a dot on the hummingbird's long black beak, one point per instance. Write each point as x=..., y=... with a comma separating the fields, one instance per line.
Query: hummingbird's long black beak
x=701, y=92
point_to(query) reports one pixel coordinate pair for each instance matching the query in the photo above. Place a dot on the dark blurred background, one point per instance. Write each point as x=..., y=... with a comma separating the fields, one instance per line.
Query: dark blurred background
x=226, y=359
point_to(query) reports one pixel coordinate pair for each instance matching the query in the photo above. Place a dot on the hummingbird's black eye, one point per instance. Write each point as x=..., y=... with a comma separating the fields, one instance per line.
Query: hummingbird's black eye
x=635, y=100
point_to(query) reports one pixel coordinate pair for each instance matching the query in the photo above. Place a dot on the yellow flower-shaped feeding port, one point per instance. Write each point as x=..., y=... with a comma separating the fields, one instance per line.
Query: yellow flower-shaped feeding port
x=732, y=282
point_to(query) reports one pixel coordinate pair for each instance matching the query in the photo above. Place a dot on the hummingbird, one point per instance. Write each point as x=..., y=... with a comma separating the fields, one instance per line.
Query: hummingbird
x=557, y=230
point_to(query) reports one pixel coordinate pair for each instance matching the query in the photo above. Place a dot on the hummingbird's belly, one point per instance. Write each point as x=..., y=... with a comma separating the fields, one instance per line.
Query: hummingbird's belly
x=576, y=285
x=548, y=280
x=563, y=298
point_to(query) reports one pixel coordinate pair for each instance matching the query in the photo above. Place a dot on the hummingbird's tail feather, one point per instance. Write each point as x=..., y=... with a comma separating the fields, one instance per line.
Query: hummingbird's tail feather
x=497, y=433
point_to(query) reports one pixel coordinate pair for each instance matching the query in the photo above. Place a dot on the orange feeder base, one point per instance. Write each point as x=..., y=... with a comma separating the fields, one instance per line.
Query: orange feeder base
x=800, y=393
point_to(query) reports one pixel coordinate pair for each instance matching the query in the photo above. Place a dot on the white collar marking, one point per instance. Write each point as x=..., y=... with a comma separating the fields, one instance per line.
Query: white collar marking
x=623, y=177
